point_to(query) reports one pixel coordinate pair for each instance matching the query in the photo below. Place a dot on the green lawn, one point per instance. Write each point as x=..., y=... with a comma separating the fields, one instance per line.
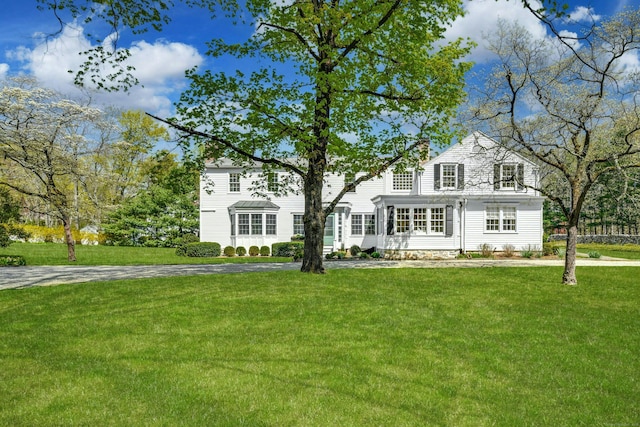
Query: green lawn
x=387, y=347
x=617, y=251
x=56, y=254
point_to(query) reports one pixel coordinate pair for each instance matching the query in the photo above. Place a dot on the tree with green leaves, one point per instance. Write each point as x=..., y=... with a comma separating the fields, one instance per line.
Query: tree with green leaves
x=160, y=215
x=570, y=104
x=351, y=87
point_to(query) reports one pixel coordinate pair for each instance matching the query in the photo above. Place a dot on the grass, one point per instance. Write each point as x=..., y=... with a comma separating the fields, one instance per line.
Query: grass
x=627, y=251
x=405, y=347
x=56, y=254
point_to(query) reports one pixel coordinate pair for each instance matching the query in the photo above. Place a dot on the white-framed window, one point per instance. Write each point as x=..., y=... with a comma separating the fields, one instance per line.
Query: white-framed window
x=363, y=224
x=272, y=182
x=436, y=222
x=370, y=224
x=271, y=227
x=234, y=182
x=244, y=222
x=501, y=219
x=507, y=176
x=449, y=176
x=256, y=224
x=420, y=220
x=402, y=181
x=298, y=224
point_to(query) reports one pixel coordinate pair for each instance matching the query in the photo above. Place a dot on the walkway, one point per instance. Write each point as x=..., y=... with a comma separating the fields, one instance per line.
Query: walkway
x=25, y=277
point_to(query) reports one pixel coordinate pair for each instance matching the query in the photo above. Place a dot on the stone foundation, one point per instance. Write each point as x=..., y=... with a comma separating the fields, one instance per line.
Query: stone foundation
x=419, y=254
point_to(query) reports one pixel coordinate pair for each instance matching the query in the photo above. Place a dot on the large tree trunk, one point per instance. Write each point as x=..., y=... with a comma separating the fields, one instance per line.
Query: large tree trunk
x=314, y=219
x=569, y=275
x=69, y=240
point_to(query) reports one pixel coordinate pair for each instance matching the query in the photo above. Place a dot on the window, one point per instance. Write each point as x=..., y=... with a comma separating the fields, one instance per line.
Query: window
x=437, y=221
x=256, y=224
x=403, y=220
x=356, y=225
x=272, y=182
x=402, y=181
x=369, y=224
x=243, y=224
x=500, y=218
x=422, y=220
x=449, y=176
x=298, y=225
x=271, y=224
x=508, y=176
x=234, y=182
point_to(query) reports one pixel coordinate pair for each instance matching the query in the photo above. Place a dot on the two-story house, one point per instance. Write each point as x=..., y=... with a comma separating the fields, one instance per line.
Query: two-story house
x=474, y=193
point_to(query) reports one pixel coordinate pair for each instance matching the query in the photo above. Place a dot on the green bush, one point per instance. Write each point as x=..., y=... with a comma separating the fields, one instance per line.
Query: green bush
x=12, y=260
x=548, y=248
x=355, y=250
x=594, y=254
x=286, y=249
x=265, y=251
x=202, y=249
x=241, y=251
x=254, y=250
x=375, y=255
x=229, y=251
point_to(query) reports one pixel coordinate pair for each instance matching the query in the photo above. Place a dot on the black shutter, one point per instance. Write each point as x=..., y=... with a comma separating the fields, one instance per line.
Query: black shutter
x=519, y=176
x=496, y=176
x=448, y=230
x=390, y=221
x=436, y=176
x=460, y=176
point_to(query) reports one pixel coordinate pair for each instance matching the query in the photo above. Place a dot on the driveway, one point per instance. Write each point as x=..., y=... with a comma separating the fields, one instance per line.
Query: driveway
x=25, y=277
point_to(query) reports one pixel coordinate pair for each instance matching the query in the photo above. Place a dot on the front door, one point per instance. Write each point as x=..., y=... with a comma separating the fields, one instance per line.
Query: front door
x=329, y=230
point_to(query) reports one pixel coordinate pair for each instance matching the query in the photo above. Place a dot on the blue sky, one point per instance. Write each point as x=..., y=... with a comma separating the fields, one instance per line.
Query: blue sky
x=161, y=58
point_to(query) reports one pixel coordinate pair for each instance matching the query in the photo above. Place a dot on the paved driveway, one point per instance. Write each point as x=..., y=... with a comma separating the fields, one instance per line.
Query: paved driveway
x=25, y=277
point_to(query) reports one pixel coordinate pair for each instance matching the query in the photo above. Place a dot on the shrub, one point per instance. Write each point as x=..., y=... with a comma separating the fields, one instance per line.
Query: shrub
x=486, y=250
x=298, y=255
x=12, y=260
x=297, y=238
x=254, y=250
x=530, y=251
x=286, y=249
x=508, y=250
x=548, y=248
x=526, y=253
x=229, y=251
x=561, y=252
x=375, y=255
x=364, y=255
x=265, y=251
x=594, y=254
x=241, y=251
x=331, y=255
x=4, y=237
x=355, y=250
x=202, y=249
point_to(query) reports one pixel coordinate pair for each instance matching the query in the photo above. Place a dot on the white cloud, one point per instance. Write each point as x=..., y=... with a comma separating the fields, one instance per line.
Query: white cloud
x=4, y=69
x=159, y=67
x=583, y=14
x=481, y=19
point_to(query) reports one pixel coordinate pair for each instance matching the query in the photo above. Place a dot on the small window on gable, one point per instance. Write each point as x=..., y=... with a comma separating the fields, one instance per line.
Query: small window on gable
x=508, y=176
x=234, y=182
x=448, y=176
x=272, y=182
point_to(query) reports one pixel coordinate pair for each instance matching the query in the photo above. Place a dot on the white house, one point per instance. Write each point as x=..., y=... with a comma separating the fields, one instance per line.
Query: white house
x=472, y=194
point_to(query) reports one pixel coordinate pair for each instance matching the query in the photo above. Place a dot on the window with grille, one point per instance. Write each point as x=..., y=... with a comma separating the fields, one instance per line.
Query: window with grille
x=449, y=176
x=501, y=218
x=272, y=182
x=402, y=181
x=508, y=176
x=356, y=225
x=437, y=220
x=234, y=182
x=271, y=227
x=298, y=225
x=243, y=224
x=420, y=220
x=256, y=224
x=369, y=224
x=403, y=220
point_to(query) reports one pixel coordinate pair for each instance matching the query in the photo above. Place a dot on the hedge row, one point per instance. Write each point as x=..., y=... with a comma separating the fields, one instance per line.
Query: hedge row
x=12, y=260
x=199, y=249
